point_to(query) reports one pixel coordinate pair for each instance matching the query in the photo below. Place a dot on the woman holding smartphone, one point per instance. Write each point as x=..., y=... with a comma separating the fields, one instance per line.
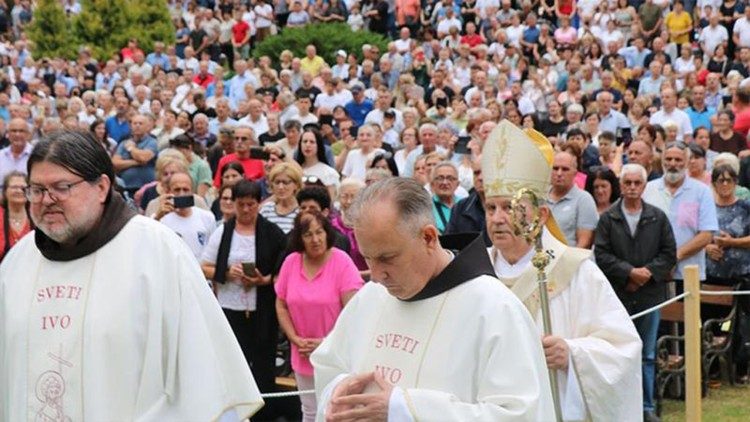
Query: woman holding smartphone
x=246, y=294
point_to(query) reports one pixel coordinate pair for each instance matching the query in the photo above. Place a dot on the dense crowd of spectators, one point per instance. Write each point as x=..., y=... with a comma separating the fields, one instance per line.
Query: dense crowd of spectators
x=662, y=84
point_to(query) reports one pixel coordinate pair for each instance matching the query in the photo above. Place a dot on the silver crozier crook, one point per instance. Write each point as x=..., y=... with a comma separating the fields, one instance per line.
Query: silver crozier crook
x=526, y=218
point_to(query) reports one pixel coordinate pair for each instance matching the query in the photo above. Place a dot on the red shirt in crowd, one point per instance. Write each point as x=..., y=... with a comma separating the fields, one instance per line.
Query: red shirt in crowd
x=239, y=31
x=12, y=236
x=204, y=80
x=472, y=40
x=253, y=168
x=128, y=53
x=742, y=121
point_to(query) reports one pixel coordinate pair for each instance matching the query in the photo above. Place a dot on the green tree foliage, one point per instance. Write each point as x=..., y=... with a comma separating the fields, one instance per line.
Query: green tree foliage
x=50, y=31
x=103, y=25
x=327, y=38
x=106, y=25
x=150, y=22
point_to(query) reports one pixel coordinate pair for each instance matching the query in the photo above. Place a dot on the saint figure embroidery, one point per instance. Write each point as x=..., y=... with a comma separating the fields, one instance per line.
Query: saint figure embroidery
x=50, y=389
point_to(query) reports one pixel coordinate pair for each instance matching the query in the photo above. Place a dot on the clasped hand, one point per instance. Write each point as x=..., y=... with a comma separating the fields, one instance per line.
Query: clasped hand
x=307, y=345
x=350, y=403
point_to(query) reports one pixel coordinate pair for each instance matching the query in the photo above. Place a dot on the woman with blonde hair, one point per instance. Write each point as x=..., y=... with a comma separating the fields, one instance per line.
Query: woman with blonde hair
x=285, y=59
x=637, y=113
x=155, y=193
x=408, y=93
x=167, y=164
x=285, y=180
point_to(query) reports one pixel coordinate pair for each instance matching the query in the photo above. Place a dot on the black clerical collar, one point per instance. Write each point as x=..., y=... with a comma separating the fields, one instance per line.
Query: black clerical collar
x=467, y=265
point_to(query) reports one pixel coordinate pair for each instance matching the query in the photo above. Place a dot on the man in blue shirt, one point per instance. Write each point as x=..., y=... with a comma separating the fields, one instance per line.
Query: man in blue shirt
x=530, y=35
x=135, y=157
x=635, y=55
x=699, y=113
x=359, y=106
x=610, y=119
x=689, y=204
x=158, y=58
x=117, y=126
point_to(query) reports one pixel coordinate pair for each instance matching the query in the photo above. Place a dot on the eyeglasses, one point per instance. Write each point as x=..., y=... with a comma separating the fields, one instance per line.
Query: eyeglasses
x=632, y=182
x=445, y=179
x=58, y=192
x=282, y=182
x=724, y=181
x=242, y=139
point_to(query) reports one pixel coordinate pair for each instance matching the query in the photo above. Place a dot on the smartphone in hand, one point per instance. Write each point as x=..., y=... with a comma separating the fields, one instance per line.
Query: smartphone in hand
x=184, y=201
x=248, y=268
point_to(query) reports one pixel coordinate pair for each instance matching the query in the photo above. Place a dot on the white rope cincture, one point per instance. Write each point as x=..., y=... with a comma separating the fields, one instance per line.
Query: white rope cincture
x=725, y=293
x=286, y=394
x=632, y=317
x=659, y=306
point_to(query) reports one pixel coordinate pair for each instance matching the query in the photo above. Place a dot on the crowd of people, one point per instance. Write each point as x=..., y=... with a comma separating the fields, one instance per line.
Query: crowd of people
x=255, y=162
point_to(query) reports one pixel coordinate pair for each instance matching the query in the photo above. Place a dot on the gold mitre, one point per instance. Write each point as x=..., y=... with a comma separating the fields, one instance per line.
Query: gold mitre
x=513, y=159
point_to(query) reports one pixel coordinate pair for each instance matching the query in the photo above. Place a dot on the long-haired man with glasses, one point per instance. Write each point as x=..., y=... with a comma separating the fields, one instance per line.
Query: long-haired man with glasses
x=104, y=312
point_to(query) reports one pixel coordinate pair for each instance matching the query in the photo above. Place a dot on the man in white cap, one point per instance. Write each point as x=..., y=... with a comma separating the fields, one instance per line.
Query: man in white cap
x=341, y=68
x=594, y=346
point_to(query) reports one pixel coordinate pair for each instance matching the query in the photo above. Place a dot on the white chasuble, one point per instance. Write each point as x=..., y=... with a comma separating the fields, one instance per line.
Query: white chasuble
x=56, y=315
x=130, y=332
x=603, y=380
x=465, y=352
x=397, y=350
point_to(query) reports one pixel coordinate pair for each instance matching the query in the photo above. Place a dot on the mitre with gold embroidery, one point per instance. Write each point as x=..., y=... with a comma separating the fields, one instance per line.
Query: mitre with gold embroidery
x=513, y=159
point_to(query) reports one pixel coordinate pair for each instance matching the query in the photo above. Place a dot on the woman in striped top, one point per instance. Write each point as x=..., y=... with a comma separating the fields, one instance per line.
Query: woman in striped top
x=285, y=181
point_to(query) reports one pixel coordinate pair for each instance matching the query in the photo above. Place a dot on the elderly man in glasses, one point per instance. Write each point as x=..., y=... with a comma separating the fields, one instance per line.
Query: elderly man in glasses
x=443, y=184
x=110, y=296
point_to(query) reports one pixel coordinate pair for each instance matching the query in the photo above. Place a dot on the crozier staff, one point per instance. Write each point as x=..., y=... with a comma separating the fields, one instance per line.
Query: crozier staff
x=594, y=346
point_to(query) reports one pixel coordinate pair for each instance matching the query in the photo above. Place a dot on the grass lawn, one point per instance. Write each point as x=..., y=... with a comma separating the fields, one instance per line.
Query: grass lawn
x=724, y=404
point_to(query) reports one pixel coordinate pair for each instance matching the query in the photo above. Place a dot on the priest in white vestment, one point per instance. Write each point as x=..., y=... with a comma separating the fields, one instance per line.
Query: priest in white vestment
x=105, y=315
x=435, y=337
x=594, y=346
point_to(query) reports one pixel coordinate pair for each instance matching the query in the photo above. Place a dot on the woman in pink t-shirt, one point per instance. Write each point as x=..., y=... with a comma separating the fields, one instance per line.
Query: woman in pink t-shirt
x=314, y=284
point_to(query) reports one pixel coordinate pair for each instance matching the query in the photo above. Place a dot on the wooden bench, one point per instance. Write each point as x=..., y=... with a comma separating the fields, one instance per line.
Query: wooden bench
x=716, y=344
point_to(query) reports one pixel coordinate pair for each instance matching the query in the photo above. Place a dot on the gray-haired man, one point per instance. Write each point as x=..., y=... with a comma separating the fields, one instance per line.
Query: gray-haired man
x=403, y=333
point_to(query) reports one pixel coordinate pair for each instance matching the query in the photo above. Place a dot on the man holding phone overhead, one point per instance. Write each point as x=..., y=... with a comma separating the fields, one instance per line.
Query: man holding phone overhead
x=177, y=211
